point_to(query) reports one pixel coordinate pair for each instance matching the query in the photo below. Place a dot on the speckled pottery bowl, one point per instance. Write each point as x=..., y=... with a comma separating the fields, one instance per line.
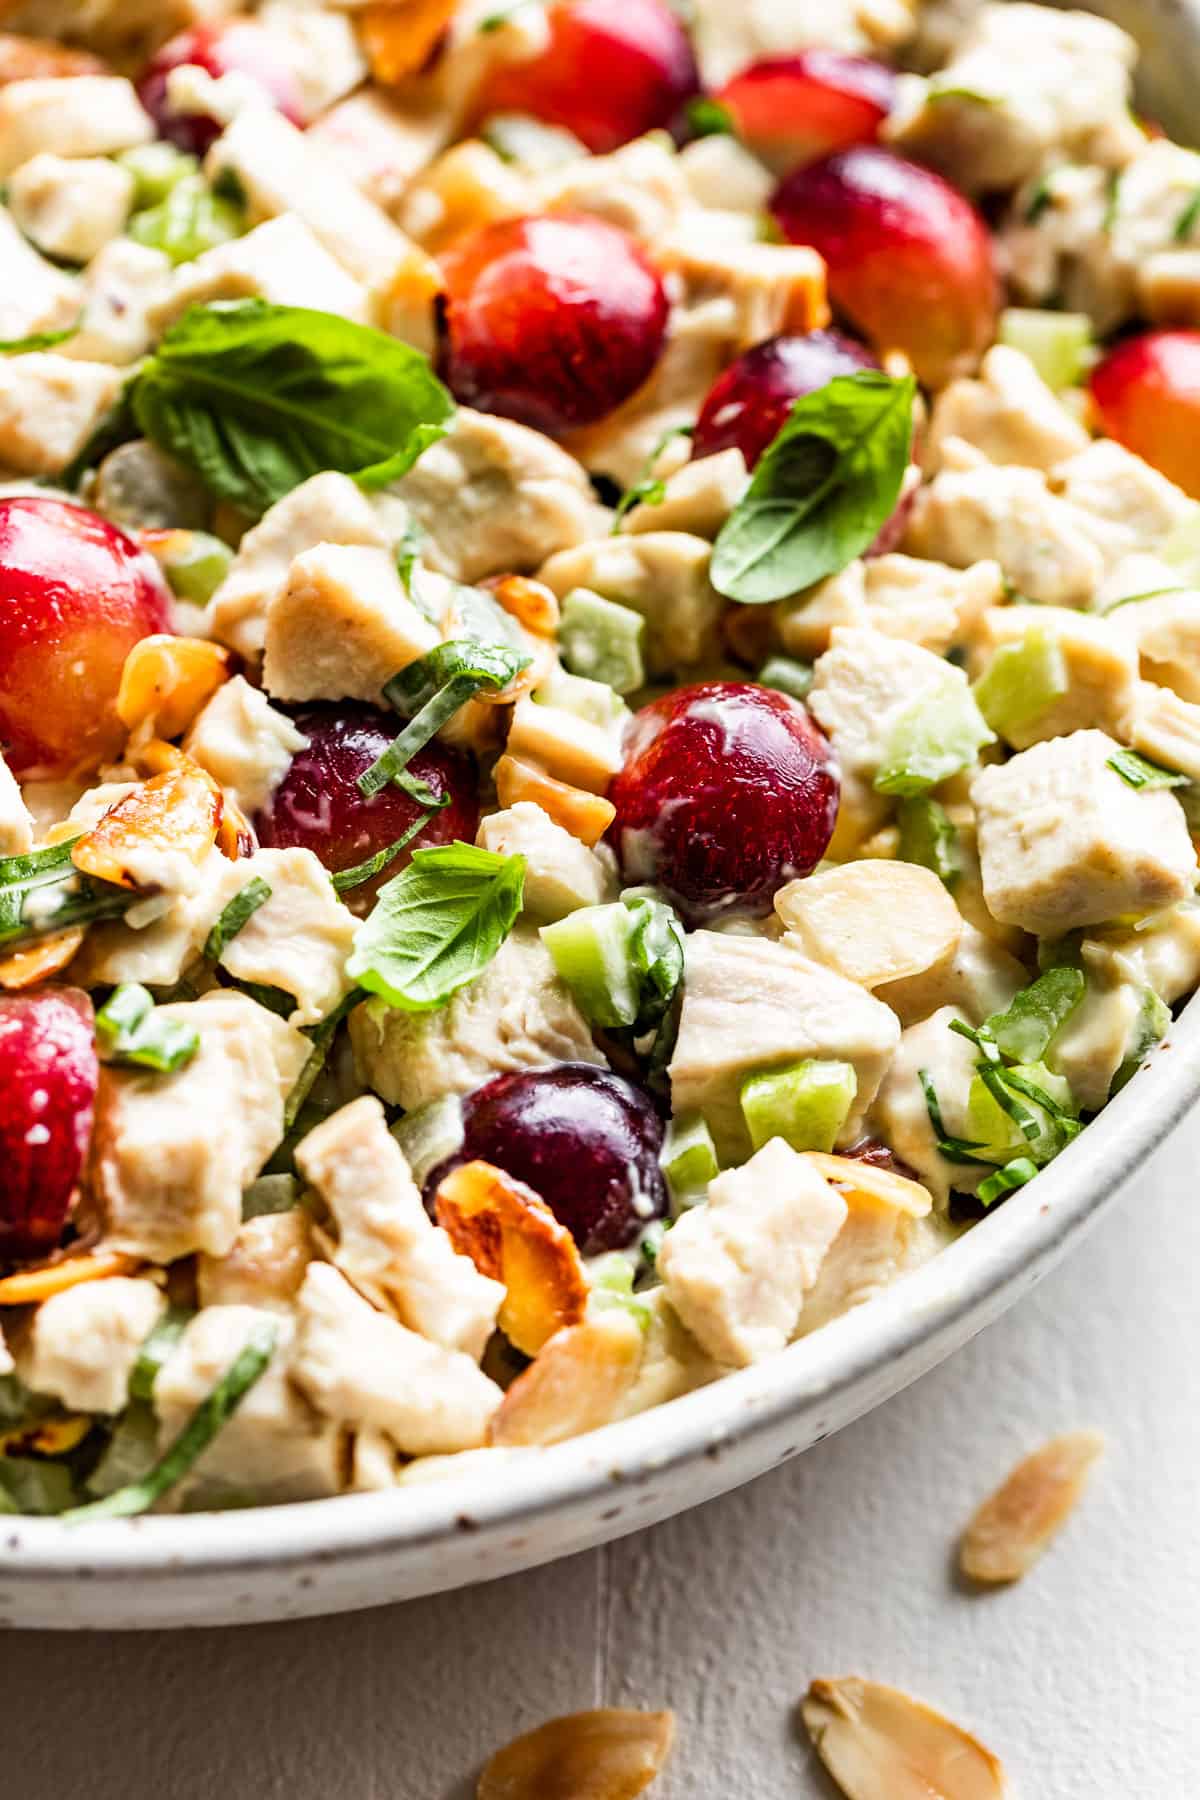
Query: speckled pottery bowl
x=362, y=1550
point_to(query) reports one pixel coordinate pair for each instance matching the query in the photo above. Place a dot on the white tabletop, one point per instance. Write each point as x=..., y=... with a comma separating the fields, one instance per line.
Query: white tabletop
x=1083, y=1679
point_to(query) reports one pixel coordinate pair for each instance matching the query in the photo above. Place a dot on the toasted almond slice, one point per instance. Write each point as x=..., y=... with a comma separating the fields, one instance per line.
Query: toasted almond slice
x=46, y=1437
x=167, y=680
x=31, y=1286
x=853, y=1176
x=510, y=1234
x=399, y=36
x=531, y=603
x=154, y=756
x=235, y=837
x=49, y=956
x=586, y=816
x=574, y=1384
x=40, y=59
x=873, y=921
x=175, y=813
x=613, y=1753
x=1015, y=1524
x=880, y=1744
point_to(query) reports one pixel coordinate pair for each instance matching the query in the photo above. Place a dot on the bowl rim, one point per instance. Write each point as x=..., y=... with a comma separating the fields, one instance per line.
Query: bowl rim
x=839, y=1372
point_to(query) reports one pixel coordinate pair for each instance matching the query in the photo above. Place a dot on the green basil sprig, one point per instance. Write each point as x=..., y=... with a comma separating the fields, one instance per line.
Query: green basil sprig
x=428, y=694
x=823, y=490
x=437, y=925
x=131, y=1030
x=256, y=398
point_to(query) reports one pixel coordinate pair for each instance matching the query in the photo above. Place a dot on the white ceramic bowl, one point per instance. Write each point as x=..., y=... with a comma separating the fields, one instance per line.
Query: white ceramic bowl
x=363, y=1550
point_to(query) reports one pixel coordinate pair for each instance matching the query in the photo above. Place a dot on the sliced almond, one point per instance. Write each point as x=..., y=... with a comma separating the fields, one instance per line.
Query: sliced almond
x=46, y=1437
x=1016, y=1523
x=531, y=603
x=31, y=1286
x=39, y=59
x=49, y=956
x=510, y=1234
x=871, y=921
x=175, y=813
x=850, y=1175
x=167, y=680
x=586, y=816
x=613, y=1753
x=398, y=39
x=575, y=1383
x=880, y=1744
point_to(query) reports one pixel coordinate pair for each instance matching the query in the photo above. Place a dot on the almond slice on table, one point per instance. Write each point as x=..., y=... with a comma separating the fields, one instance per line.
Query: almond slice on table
x=1017, y=1522
x=613, y=1753
x=575, y=1384
x=510, y=1233
x=880, y=1744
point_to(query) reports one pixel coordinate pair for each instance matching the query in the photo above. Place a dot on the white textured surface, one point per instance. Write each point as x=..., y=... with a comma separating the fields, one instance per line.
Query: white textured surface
x=1083, y=1679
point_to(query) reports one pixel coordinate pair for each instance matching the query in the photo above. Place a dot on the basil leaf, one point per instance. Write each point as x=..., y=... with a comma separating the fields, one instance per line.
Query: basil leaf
x=822, y=491
x=256, y=398
x=656, y=957
x=437, y=925
x=240, y=910
x=213, y=1412
x=952, y=1148
x=1139, y=772
x=428, y=693
x=38, y=340
x=129, y=1032
x=322, y=1035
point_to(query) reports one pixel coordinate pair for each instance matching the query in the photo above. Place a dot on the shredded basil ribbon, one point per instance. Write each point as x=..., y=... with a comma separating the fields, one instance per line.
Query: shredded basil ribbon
x=1139, y=772
x=240, y=910
x=428, y=694
x=346, y=879
x=79, y=899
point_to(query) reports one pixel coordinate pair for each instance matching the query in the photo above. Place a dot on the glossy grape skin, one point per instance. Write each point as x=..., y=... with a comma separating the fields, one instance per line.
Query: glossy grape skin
x=551, y=320
x=241, y=46
x=318, y=806
x=48, y=1078
x=789, y=110
x=612, y=70
x=748, y=404
x=76, y=595
x=910, y=261
x=728, y=790
x=1147, y=394
x=585, y=1140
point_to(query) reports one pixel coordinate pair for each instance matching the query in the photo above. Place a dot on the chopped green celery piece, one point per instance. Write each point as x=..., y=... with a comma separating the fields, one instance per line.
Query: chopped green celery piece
x=270, y=1194
x=188, y=221
x=1014, y=1174
x=928, y=837
x=1023, y=1111
x=430, y=1134
x=1023, y=1032
x=156, y=169
x=195, y=564
x=1058, y=344
x=786, y=676
x=1181, y=547
x=805, y=1103
x=131, y=1452
x=1153, y=1022
x=935, y=737
x=131, y=1030
x=602, y=641
x=688, y=1159
x=156, y=1348
x=29, y=1485
x=591, y=951
x=612, y=1287
x=1021, y=681
x=594, y=701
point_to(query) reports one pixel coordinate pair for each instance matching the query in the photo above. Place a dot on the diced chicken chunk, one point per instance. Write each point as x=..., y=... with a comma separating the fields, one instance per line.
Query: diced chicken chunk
x=494, y=497
x=341, y=626
x=70, y=208
x=1161, y=952
x=280, y=261
x=516, y=1015
x=87, y=115
x=640, y=188
x=1128, y=505
x=1009, y=515
x=978, y=978
x=1098, y=668
x=275, y=1447
x=1164, y=630
x=171, y=1153
x=299, y=938
x=264, y=1266
x=750, y=1004
x=121, y=288
x=736, y=1269
x=728, y=38
x=1102, y=1032
x=746, y=290
x=928, y=603
x=84, y=1342
x=723, y=176
x=244, y=742
x=661, y=574
x=561, y=874
x=1165, y=728
x=321, y=48
x=672, y=1361
x=365, y=1370
x=386, y=1239
x=382, y=145
x=697, y=499
x=888, y=1231
x=1065, y=841
x=16, y=823
x=156, y=950
x=34, y=295
x=871, y=921
x=1008, y=414
x=864, y=684
x=49, y=407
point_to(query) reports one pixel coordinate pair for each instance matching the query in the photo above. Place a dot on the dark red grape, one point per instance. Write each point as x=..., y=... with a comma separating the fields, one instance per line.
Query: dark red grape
x=222, y=48
x=585, y=1140
x=612, y=70
x=748, y=403
x=728, y=790
x=48, y=1078
x=910, y=261
x=76, y=595
x=551, y=320
x=318, y=806
x=791, y=109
